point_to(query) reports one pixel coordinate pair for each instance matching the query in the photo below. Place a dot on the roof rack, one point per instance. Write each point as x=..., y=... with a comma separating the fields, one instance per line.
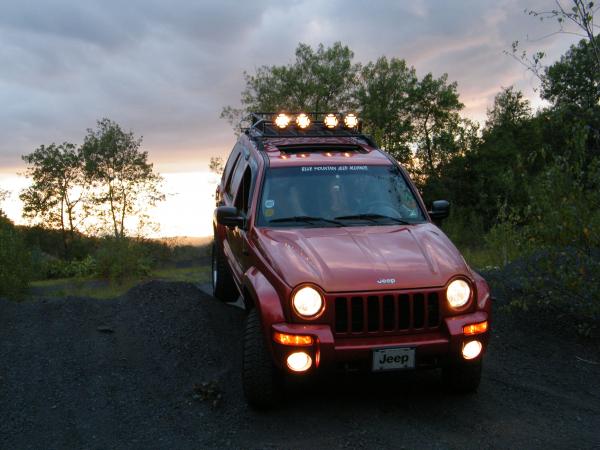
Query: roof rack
x=262, y=126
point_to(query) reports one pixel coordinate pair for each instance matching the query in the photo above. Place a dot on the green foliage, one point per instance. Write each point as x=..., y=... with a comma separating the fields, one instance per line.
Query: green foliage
x=52, y=268
x=216, y=165
x=121, y=259
x=574, y=80
x=436, y=123
x=123, y=181
x=384, y=97
x=15, y=261
x=551, y=244
x=318, y=80
x=58, y=186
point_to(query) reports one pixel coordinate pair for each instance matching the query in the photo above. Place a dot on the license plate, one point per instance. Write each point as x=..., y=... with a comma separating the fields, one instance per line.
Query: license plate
x=393, y=358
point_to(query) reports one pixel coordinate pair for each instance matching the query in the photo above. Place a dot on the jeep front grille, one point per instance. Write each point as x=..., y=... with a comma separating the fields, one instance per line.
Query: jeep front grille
x=386, y=313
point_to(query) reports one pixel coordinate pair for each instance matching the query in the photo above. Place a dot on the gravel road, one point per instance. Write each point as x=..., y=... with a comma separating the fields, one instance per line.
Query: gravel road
x=159, y=368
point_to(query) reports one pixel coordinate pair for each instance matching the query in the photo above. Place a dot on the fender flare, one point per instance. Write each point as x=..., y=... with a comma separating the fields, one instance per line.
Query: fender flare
x=264, y=298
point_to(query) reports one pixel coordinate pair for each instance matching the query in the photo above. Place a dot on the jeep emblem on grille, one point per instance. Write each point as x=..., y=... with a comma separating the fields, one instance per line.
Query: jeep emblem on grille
x=386, y=281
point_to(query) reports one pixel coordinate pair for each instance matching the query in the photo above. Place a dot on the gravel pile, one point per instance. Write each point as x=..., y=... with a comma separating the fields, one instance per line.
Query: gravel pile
x=79, y=372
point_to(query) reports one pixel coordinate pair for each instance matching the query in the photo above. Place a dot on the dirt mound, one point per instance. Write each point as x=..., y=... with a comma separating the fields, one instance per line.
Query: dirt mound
x=79, y=372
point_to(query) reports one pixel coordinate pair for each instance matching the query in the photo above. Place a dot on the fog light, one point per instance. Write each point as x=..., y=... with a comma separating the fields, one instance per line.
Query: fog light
x=471, y=350
x=299, y=361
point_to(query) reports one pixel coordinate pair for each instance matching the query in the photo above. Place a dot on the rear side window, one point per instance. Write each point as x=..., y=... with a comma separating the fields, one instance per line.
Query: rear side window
x=242, y=198
x=236, y=178
x=229, y=175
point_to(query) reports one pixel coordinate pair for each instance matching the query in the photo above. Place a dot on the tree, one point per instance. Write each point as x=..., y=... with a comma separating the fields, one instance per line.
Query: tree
x=318, y=80
x=575, y=78
x=216, y=165
x=124, y=182
x=58, y=186
x=15, y=260
x=3, y=196
x=510, y=153
x=578, y=20
x=436, y=122
x=581, y=16
x=510, y=108
x=384, y=96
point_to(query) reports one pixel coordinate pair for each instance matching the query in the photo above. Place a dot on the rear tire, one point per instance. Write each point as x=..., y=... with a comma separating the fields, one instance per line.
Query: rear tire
x=223, y=285
x=261, y=380
x=462, y=377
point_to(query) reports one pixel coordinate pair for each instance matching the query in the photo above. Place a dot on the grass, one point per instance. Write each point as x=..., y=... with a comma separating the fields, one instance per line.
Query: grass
x=480, y=258
x=103, y=289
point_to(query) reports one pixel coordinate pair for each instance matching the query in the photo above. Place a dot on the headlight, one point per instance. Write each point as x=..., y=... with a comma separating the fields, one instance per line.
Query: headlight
x=458, y=293
x=307, y=302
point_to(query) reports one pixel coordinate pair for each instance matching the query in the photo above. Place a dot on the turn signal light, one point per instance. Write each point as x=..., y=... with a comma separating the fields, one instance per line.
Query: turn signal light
x=292, y=339
x=475, y=328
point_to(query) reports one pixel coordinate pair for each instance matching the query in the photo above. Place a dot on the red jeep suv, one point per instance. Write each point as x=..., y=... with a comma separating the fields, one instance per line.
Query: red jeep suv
x=338, y=262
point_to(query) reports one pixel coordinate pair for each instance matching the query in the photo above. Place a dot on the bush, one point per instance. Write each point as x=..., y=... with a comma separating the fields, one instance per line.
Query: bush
x=53, y=268
x=554, y=244
x=120, y=259
x=15, y=261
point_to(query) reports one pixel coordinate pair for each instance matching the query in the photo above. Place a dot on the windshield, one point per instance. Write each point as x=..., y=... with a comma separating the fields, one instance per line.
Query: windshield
x=336, y=195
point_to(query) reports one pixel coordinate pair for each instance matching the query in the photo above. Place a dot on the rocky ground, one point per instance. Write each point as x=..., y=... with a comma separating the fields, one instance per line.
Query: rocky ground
x=159, y=368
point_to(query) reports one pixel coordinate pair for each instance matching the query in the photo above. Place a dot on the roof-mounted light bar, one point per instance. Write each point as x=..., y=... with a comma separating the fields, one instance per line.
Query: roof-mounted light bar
x=303, y=121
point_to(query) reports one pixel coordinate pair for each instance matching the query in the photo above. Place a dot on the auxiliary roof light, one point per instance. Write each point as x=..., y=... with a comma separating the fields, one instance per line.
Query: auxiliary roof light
x=350, y=120
x=330, y=121
x=282, y=120
x=303, y=121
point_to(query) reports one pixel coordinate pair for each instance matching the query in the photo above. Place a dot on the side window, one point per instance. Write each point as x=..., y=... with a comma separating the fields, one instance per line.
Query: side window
x=229, y=175
x=242, y=199
x=236, y=178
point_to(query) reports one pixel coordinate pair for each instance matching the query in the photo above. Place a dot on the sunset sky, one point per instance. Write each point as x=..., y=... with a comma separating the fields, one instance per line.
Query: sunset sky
x=165, y=69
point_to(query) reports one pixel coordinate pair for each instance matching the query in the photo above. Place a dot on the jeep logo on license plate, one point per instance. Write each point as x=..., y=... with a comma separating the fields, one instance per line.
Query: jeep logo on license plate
x=386, y=281
x=393, y=358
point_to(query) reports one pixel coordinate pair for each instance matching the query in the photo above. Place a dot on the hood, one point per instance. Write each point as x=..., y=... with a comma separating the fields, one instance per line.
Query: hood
x=362, y=258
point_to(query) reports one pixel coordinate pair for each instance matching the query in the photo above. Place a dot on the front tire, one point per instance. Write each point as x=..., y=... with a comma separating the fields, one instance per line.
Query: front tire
x=261, y=380
x=223, y=285
x=462, y=377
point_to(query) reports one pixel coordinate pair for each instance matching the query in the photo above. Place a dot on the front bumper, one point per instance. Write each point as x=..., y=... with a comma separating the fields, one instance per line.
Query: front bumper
x=330, y=353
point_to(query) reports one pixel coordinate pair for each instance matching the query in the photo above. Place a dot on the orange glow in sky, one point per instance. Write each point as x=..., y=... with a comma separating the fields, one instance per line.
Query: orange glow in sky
x=186, y=211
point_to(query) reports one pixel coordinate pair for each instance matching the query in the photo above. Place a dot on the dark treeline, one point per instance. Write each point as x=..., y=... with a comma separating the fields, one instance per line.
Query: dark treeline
x=524, y=187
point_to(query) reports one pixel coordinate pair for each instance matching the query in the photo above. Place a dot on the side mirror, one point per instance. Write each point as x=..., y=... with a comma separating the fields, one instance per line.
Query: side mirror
x=440, y=209
x=229, y=216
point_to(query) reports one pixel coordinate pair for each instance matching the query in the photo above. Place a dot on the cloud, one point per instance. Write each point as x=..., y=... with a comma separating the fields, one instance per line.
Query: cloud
x=165, y=70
